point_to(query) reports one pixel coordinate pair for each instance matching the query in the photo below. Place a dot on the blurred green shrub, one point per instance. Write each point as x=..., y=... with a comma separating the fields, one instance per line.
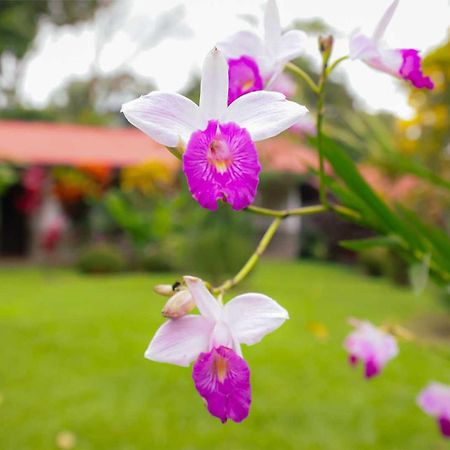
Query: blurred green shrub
x=172, y=233
x=157, y=258
x=216, y=244
x=382, y=261
x=8, y=176
x=101, y=258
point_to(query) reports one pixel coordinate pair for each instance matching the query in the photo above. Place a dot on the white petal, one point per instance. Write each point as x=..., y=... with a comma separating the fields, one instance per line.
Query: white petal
x=264, y=114
x=385, y=20
x=214, y=85
x=252, y=316
x=362, y=47
x=180, y=341
x=242, y=43
x=221, y=335
x=208, y=306
x=292, y=45
x=272, y=27
x=165, y=117
x=388, y=61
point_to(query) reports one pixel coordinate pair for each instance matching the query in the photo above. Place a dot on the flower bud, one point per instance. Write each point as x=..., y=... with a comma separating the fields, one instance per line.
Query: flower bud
x=178, y=305
x=326, y=46
x=164, y=289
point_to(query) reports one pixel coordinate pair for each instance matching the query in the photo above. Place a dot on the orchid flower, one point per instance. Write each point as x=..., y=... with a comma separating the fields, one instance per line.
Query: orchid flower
x=264, y=57
x=213, y=340
x=371, y=345
x=435, y=401
x=220, y=161
x=401, y=63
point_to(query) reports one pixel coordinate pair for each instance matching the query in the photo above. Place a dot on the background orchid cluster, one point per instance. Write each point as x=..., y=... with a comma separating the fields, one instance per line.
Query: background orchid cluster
x=242, y=101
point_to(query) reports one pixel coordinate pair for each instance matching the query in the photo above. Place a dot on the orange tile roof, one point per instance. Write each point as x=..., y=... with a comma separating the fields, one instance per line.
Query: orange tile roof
x=64, y=144
x=43, y=143
x=282, y=154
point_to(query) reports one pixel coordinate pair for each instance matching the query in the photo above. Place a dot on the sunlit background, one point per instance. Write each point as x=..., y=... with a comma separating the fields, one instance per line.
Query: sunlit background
x=165, y=42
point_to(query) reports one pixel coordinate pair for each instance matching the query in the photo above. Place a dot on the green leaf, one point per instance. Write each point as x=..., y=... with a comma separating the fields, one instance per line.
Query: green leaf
x=438, y=242
x=387, y=220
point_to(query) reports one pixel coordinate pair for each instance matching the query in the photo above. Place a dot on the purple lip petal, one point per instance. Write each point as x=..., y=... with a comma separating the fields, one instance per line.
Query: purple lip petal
x=371, y=369
x=221, y=163
x=243, y=77
x=444, y=426
x=411, y=69
x=222, y=378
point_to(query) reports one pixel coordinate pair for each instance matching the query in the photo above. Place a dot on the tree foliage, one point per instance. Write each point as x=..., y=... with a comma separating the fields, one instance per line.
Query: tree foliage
x=19, y=20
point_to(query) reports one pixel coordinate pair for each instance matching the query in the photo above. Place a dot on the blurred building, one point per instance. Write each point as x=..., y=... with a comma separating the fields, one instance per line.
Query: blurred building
x=98, y=152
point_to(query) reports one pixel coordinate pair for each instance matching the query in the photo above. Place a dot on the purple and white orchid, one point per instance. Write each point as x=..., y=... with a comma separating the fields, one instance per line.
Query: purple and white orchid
x=435, y=401
x=220, y=161
x=401, y=63
x=371, y=345
x=265, y=57
x=213, y=340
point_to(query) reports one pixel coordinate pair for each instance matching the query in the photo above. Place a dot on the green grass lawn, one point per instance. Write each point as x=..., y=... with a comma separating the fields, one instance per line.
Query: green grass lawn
x=72, y=359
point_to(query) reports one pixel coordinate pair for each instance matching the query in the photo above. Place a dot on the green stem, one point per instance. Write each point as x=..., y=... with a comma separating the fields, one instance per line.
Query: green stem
x=306, y=210
x=335, y=64
x=251, y=262
x=319, y=123
x=346, y=212
x=303, y=75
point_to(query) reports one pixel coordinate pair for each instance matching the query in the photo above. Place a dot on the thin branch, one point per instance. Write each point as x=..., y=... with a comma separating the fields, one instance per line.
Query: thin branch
x=251, y=262
x=303, y=75
x=283, y=213
x=335, y=64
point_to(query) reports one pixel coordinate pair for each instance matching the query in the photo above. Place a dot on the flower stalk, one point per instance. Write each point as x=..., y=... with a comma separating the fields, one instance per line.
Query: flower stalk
x=252, y=261
x=335, y=64
x=284, y=213
x=326, y=47
x=304, y=76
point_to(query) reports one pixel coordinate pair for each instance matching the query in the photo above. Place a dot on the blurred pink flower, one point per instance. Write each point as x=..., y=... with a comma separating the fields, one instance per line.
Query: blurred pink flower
x=213, y=340
x=33, y=183
x=371, y=345
x=401, y=63
x=52, y=224
x=220, y=161
x=435, y=401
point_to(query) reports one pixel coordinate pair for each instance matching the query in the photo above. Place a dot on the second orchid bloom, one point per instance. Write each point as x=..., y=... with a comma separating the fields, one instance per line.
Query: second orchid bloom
x=402, y=63
x=257, y=61
x=212, y=340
